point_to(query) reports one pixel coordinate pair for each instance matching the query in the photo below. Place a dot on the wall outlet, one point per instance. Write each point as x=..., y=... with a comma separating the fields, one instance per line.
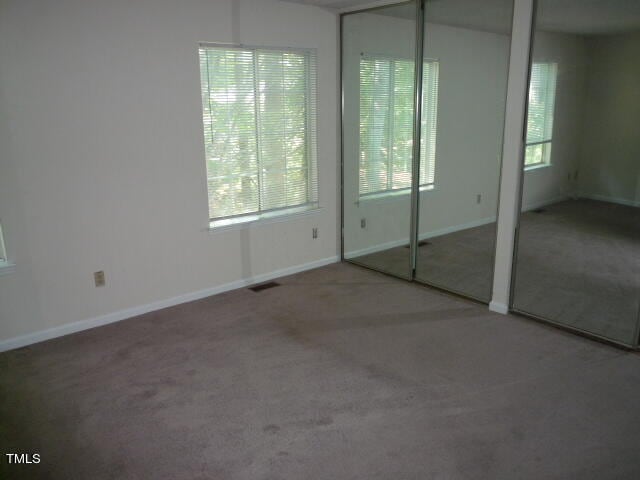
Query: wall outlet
x=314, y=233
x=479, y=198
x=363, y=223
x=98, y=278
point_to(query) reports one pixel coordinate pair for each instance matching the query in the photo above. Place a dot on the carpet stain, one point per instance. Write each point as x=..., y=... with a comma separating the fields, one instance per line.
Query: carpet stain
x=271, y=429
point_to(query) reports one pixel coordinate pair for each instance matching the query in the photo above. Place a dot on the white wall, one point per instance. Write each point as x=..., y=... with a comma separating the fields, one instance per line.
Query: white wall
x=556, y=181
x=103, y=160
x=610, y=148
x=595, y=143
x=471, y=103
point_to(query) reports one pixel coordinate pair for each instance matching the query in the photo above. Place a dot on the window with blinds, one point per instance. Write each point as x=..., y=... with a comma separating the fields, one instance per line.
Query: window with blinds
x=386, y=124
x=542, y=94
x=259, y=114
x=3, y=251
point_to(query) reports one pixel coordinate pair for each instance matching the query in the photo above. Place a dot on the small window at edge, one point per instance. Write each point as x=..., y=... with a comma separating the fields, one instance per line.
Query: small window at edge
x=3, y=252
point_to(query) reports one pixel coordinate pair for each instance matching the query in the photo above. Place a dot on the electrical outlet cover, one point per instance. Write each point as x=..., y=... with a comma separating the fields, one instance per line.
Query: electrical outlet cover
x=98, y=278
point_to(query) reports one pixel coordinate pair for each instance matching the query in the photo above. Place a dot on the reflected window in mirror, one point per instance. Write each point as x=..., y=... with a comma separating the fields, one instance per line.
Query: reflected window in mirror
x=542, y=93
x=386, y=124
x=3, y=252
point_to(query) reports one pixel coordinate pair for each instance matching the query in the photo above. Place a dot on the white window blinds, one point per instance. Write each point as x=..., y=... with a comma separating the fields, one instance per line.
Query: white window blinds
x=542, y=93
x=386, y=123
x=3, y=252
x=259, y=113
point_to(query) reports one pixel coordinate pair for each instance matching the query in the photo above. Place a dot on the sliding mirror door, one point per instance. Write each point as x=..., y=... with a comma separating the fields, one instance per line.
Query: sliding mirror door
x=378, y=68
x=578, y=249
x=466, y=52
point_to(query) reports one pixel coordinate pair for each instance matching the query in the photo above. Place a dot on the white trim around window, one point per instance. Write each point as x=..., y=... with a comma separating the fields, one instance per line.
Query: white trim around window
x=5, y=265
x=259, y=119
x=540, y=113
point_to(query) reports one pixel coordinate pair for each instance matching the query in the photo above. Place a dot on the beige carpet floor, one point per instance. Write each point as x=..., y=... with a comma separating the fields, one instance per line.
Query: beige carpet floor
x=578, y=264
x=338, y=373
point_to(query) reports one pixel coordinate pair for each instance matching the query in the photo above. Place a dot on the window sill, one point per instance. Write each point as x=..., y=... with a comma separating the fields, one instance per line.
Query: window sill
x=260, y=220
x=394, y=194
x=6, y=268
x=536, y=167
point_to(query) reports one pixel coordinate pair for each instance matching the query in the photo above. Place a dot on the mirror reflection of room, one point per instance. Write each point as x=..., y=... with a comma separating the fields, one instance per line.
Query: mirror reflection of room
x=378, y=59
x=465, y=63
x=459, y=199
x=578, y=255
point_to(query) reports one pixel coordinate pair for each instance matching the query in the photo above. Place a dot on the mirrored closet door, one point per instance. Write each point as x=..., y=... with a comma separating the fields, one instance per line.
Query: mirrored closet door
x=578, y=248
x=466, y=61
x=378, y=81
x=420, y=203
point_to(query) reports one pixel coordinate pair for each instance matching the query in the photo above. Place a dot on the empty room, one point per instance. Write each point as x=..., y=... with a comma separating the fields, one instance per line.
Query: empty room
x=319, y=239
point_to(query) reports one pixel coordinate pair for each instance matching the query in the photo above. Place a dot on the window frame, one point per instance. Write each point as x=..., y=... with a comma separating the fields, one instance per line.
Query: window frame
x=547, y=143
x=393, y=192
x=6, y=266
x=3, y=249
x=312, y=204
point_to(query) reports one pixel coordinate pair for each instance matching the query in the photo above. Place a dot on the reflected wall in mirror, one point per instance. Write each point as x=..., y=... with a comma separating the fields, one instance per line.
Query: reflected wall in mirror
x=378, y=57
x=467, y=46
x=578, y=249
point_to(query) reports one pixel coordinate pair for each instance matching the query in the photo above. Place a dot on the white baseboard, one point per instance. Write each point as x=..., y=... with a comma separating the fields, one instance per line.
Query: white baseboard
x=498, y=307
x=601, y=198
x=66, y=329
x=457, y=228
x=544, y=203
x=620, y=201
x=423, y=236
x=376, y=248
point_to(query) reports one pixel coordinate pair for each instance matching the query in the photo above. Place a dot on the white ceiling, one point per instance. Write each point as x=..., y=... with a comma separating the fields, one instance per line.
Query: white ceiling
x=571, y=16
x=589, y=16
